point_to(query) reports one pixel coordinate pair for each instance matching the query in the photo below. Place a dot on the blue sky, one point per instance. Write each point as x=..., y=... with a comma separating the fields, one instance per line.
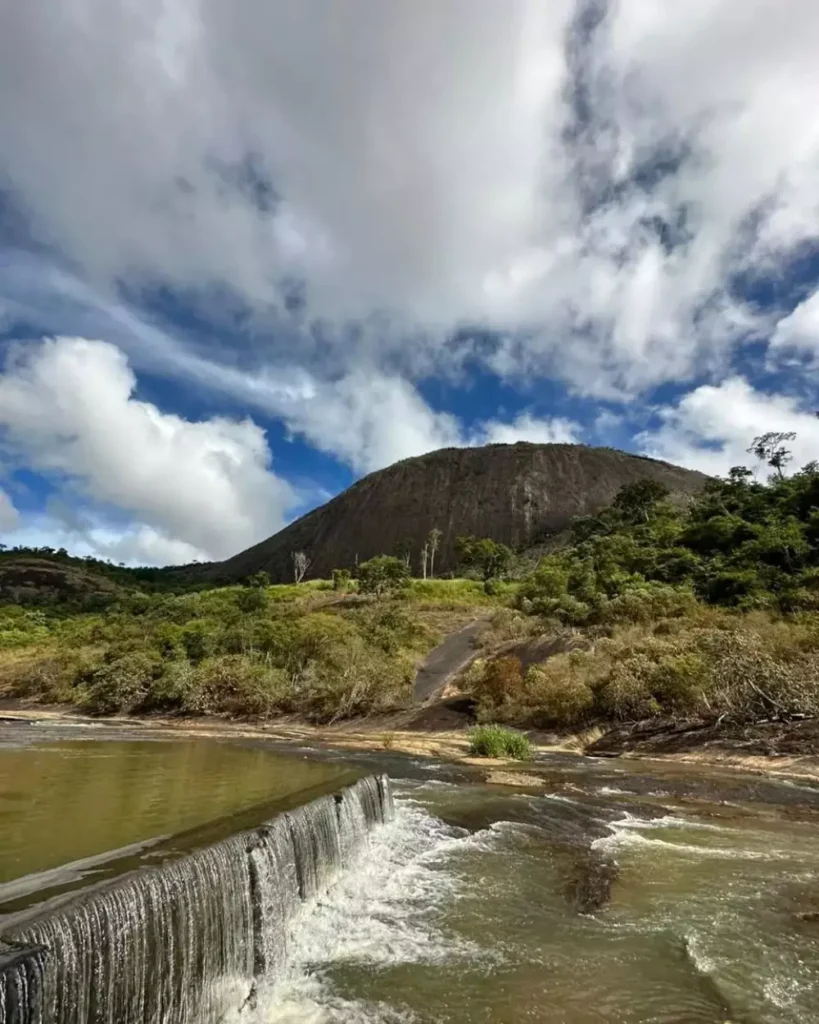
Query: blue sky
x=252, y=250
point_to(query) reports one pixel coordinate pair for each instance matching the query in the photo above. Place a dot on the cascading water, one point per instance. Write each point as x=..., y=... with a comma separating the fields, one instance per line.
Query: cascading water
x=184, y=942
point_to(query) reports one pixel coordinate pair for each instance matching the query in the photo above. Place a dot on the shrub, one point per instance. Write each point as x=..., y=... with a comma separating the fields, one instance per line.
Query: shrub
x=341, y=579
x=383, y=575
x=121, y=684
x=199, y=640
x=251, y=599
x=173, y=690
x=499, y=741
x=554, y=695
x=501, y=682
x=239, y=686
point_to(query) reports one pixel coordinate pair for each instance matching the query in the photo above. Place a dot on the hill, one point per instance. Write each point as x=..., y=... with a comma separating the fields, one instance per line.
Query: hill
x=516, y=494
x=43, y=580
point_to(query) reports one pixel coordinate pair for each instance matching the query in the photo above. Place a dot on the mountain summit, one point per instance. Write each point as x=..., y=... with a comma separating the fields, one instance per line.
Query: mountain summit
x=518, y=494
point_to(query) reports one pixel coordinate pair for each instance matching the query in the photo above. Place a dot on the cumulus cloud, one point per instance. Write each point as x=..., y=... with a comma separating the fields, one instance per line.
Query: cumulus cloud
x=133, y=544
x=527, y=427
x=9, y=516
x=587, y=178
x=205, y=488
x=798, y=333
x=711, y=428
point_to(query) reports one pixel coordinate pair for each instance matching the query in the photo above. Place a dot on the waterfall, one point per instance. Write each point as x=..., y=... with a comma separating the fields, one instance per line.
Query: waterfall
x=183, y=942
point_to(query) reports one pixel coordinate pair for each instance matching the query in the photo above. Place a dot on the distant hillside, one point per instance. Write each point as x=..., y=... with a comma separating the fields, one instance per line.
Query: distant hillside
x=518, y=494
x=38, y=580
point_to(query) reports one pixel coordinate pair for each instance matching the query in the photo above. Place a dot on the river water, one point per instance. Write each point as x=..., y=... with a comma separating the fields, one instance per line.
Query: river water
x=619, y=896
x=616, y=892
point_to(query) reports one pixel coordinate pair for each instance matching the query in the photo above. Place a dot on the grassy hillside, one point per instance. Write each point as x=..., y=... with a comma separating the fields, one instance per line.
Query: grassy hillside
x=237, y=651
x=707, y=612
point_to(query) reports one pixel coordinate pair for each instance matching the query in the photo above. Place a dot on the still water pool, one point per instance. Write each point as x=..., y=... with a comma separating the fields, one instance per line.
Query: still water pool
x=80, y=802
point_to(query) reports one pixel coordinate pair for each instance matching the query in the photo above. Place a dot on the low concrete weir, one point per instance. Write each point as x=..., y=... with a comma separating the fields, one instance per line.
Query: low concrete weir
x=188, y=940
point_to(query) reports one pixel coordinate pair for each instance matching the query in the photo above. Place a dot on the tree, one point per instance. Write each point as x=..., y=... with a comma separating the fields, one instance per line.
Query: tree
x=258, y=579
x=489, y=557
x=433, y=543
x=638, y=501
x=301, y=563
x=770, y=449
x=382, y=575
x=424, y=560
x=403, y=549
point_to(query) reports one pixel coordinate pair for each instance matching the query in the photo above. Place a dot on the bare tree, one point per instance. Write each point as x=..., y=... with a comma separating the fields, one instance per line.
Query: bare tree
x=301, y=563
x=433, y=542
x=424, y=558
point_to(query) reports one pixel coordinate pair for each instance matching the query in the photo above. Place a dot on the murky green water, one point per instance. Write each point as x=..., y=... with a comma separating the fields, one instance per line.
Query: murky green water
x=67, y=801
x=607, y=899
x=617, y=893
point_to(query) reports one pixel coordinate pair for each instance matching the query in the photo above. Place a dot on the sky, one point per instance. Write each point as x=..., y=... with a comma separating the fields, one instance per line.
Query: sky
x=251, y=250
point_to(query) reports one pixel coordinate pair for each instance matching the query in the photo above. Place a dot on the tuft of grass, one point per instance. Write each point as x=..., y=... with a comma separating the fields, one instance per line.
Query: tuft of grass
x=499, y=741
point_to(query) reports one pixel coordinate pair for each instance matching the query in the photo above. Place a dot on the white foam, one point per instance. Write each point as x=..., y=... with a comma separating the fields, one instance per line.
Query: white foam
x=668, y=821
x=382, y=912
x=310, y=1000
x=703, y=963
x=624, y=839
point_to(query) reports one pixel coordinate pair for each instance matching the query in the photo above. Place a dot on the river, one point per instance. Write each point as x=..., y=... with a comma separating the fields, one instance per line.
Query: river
x=616, y=892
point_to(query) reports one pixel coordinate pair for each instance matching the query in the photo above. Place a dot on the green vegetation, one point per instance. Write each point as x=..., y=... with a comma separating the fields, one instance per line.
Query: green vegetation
x=741, y=544
x=485, y=556
x=499, y=741
x=234, y=651
x=706, y=612
x=382, y=575
x=711, y=665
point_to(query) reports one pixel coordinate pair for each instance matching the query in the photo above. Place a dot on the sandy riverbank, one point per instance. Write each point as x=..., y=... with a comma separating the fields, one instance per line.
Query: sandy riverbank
x=394, y=733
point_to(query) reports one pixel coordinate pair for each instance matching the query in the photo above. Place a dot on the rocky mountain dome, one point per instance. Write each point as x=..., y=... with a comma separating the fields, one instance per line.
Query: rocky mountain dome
x=519, y=494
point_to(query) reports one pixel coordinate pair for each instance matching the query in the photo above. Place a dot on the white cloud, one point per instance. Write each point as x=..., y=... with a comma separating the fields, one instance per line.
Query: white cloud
x=9, y=516
x=192, y=488
x=799, y=332
x=529, y=428
x=711, y=428
x=430, y=166
x=134, y=544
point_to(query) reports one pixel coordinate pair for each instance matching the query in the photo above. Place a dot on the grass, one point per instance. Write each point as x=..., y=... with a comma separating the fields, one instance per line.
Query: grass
x=499, y=741
x=457, y=593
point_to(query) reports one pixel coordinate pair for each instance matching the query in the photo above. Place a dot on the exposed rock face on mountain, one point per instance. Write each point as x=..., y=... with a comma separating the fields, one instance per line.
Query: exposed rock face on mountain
x=519, y=494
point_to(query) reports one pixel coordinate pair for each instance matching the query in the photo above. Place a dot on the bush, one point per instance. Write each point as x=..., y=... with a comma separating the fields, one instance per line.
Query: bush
x=341, y=579
x=383, y=575
x=499, y=741
x=252, y=599
x=120, y=685
x=555, y=696
x=239, y=686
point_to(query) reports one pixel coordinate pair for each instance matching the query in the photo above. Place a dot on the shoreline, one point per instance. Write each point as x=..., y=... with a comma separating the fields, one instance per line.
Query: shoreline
x=391, y=734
